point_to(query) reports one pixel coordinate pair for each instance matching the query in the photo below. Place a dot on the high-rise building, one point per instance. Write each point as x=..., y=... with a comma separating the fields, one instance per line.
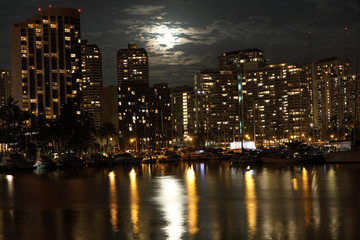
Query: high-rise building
x=251, y=58
x=45, y=61
x=5, y=77
x=276, y=104
x=183, y=115
x=319, y=75
x=133, y=90
x=91, y=83
x=160, y=116
x=217, y=108
x=341, y=101
x=248, y=99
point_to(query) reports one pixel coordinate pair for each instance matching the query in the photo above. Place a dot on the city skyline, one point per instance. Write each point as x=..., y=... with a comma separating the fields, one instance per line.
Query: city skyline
x=183, y=38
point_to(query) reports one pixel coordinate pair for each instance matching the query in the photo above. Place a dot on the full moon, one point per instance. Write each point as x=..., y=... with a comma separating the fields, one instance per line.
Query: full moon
x=166, y=36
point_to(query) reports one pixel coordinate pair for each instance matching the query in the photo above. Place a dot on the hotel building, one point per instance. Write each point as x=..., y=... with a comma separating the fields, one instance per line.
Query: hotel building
x=46, y=61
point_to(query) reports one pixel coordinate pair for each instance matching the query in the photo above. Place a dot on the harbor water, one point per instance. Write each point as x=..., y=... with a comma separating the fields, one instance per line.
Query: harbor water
x=212, y=200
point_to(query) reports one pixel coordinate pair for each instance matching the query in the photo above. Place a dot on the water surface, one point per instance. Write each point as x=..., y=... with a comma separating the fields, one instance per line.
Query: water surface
x=182, y=201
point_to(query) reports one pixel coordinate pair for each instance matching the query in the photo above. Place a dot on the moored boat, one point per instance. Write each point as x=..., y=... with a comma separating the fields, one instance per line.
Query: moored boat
x=16, y=161
x=44, y=162
x=98, y=160
x=70, y=160
x=169, y=156
x=126, y=158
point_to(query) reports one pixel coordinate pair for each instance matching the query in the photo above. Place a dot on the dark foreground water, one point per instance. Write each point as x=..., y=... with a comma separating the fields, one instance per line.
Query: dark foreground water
x=197, y=201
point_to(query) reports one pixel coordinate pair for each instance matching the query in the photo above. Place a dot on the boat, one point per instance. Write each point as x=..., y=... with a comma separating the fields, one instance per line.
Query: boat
x=199, y=155
x=127, y=158
x=98, y=160
x=169, y=156
x=277, y=159
x=44, y=162
x=149, y=159
x=70, y=160
x=247, y=158
x=16, y=161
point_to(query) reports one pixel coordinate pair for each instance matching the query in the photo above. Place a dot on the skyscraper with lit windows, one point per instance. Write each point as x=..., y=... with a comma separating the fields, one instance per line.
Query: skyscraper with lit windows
x=45, y=61
x=133, y=89
x=217, y=108
x=91, y=83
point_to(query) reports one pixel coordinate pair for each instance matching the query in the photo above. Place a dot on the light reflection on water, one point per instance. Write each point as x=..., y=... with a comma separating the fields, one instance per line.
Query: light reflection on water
x=170, y=198
x=182, y=201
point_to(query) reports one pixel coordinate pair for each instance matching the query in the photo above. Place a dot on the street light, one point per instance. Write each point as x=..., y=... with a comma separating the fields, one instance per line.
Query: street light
x=132, y=140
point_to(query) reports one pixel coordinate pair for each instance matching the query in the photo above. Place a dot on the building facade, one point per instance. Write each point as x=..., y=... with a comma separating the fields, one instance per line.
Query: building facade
x=46, y=61
x=91, y=84
x=5, y=81
x=133, y=91
x=217, y=107
x=183, y=116
x=160, y=116
x=319, y=74
x=276, y=104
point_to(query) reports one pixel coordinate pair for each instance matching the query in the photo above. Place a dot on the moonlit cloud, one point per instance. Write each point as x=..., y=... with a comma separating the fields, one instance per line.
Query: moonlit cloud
x=143, y=9
x=183, y=37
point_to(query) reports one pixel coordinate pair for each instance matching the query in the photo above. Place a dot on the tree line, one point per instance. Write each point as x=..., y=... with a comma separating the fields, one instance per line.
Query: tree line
x=72, y=131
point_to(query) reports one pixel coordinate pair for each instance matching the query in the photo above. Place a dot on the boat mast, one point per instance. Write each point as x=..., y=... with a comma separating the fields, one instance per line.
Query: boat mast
x=356, y=101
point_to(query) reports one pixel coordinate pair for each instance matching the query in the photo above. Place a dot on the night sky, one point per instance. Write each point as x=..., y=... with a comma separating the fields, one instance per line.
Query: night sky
x=183, y=37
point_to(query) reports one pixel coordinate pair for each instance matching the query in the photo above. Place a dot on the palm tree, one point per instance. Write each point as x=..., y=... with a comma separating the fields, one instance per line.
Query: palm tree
x=74, y=131
x=12, y=121
x=107, y=131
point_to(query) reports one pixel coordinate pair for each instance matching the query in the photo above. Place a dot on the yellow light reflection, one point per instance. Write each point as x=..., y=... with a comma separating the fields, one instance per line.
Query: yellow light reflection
x=134, y=202
x=295, y=183
x=305, y=186
x=113, y=201
x=192, y=202
x=250, y=201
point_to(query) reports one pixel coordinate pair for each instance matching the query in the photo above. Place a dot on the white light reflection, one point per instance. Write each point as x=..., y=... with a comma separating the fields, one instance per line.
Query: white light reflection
x=171, y=200
x=192, y=201
x=315, y=200
x=10, y=182
x=334, y=211
x=113, y=202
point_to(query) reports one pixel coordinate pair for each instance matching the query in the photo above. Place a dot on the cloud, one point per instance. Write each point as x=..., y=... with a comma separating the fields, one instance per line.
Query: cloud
x=335, y=6
x=143, y=9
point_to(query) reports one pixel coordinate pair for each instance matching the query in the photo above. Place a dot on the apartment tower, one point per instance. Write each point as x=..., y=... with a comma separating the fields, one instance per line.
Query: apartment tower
x=133, y=90
x=91, y=83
